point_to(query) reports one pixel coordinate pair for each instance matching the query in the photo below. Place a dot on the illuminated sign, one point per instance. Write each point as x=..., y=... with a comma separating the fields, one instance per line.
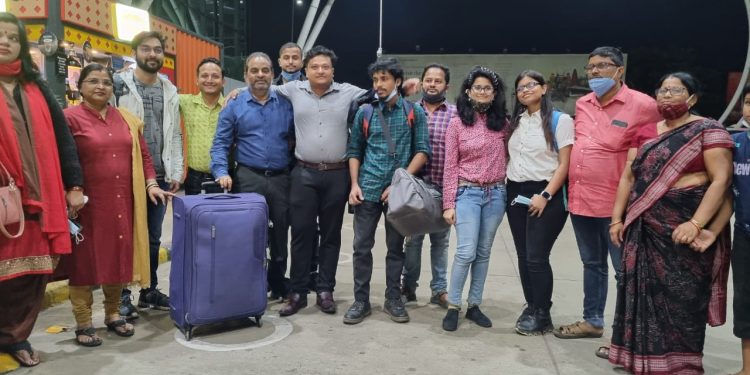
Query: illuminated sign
x=129, y=21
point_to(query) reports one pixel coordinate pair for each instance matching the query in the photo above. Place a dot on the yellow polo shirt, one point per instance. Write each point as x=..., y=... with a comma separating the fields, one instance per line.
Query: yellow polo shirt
x=200, y=127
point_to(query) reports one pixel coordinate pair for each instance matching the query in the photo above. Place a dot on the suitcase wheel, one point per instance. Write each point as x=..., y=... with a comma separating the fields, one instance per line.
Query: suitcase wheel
x=257, y=321
x=188, y=333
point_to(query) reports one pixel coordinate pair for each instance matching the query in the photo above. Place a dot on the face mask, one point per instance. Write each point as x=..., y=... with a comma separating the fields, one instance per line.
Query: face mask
x=479, y=107
x=674, y=111
x=601, y=85
x=433, y=99
x=390, y=96
x=291, y=76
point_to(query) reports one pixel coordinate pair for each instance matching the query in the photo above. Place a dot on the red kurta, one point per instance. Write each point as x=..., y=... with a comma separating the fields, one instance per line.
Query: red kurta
x=105, y=256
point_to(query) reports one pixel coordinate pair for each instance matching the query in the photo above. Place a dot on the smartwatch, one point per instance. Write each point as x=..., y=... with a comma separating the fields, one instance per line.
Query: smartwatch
x=546, y=195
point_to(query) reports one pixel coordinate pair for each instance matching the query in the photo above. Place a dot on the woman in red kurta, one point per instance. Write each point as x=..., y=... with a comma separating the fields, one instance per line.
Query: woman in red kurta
x=117, y=170
x=36, y=148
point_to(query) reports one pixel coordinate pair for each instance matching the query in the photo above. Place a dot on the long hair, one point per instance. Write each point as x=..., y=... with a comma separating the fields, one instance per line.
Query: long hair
x=545, y=111
x=497, y=113
x=29, y=70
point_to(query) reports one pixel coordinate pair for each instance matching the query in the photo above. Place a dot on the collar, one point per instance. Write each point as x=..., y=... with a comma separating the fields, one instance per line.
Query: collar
x=622, y=96
x=443, y=106
x=198, y=99
x=305, y=85
x=399, y=104
x=271, y=96
x=537, y=114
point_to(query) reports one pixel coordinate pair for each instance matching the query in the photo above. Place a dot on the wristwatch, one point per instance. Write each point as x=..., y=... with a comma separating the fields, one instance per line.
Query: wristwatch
x=546, y=195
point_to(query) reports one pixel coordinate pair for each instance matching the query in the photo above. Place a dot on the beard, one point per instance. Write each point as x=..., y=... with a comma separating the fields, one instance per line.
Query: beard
x=143, y=65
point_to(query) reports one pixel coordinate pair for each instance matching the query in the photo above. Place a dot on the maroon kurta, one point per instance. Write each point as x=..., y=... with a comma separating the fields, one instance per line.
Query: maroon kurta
x=105, y=256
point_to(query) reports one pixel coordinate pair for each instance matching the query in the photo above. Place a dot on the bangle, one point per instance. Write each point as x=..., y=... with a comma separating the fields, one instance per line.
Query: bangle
x=615, y=223
x=75, y=188
x=697, y=224
x=151, y=185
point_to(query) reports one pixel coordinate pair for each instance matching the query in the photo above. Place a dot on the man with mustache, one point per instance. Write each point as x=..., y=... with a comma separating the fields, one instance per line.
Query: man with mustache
x=261, y=123
x=396, y=136
x=154, y=100
x=435, y=79
x=290, y=62
x=200, y=113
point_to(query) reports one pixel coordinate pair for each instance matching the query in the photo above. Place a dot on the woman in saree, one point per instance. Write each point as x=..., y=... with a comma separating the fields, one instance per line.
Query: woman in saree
x=678, y=174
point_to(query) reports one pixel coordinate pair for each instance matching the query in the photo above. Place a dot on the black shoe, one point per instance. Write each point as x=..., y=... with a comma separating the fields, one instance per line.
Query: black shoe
x=538, y=323
x=528, y=310
x=407, y=294
x=396, y=310
x=450, y=322
x=476, y=316
x=154, y=299
x=357, y=312
x=127, y=310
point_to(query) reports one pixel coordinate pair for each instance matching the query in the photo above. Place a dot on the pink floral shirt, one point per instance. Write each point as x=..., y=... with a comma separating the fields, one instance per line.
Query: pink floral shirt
x=472, y=153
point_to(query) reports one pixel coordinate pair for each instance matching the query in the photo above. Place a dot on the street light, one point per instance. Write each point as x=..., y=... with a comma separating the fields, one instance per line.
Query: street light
x=300, y=2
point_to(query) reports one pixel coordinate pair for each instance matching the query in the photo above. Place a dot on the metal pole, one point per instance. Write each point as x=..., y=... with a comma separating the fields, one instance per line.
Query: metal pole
x=291, y=34
x=743, y=80
x=380, y=41
x=318, y=26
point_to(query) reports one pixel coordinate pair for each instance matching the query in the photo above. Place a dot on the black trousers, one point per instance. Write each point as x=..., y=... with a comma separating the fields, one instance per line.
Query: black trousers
x=193, y=182
x=534, y=237
x=276, y=191
x=366, y=218
x=741, y=278
x=317, y=203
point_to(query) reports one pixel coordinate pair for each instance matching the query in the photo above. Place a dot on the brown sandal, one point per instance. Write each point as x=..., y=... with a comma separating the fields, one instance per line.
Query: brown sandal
x=89, y=332
x=578, y=330
x=115, y=326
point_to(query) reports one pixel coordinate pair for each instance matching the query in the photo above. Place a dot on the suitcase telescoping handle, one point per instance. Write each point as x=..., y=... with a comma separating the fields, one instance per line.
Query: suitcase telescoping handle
x=210, y=184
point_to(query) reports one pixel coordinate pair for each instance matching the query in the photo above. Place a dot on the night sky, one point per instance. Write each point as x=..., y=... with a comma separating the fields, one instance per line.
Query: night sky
x=707, y=38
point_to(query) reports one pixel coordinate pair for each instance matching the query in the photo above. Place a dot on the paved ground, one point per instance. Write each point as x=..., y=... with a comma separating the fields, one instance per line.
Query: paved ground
x=314, y=343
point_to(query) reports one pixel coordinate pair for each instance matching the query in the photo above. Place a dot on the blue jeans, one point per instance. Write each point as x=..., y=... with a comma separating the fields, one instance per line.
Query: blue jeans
x=479, y=211
x=592, y=236
x=155, y=213
x=438, y=260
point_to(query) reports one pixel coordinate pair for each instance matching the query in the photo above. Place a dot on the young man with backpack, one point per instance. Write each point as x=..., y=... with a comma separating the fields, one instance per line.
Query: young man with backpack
x=388, y=134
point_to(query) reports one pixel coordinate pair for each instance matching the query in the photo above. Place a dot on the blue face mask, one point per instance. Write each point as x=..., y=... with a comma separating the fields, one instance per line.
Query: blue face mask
x=291, y=76
x=601, y=85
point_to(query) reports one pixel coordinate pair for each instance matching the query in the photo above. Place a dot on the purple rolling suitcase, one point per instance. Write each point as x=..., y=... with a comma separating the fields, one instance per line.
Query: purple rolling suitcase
x=218, y=259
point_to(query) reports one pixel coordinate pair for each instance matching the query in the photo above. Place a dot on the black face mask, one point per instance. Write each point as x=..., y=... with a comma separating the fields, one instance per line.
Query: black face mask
x=480, y=107
x=433, y=99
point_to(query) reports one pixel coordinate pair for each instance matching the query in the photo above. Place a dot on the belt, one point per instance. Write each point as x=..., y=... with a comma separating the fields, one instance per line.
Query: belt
x=266, y=172
x=477, y=184
x=324, y=166
x=199, y=173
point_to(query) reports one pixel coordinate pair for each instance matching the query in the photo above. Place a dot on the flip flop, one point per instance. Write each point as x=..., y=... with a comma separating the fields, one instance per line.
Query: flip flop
x=90, y=332
x=115, y=324
x=23, y=346
x=602, y=352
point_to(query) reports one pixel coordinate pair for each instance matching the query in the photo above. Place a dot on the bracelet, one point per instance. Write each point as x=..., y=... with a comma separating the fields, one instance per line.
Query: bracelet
x=697, y=224
x=76, y=188
x=615, y=223
x=151, y=185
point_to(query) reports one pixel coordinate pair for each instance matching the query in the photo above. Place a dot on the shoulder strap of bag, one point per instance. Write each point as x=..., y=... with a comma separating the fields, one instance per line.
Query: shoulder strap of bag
x=555, y=119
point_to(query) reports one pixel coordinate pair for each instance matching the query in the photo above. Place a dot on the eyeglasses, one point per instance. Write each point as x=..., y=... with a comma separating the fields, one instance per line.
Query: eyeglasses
x=147, y=50
x=674, y=91
x=482, y=89
x=529, y=86
x=599, y=66
x=97, y=82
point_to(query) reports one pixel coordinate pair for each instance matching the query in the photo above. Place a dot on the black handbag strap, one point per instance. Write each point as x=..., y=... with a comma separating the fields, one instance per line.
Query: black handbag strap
x=386, y=131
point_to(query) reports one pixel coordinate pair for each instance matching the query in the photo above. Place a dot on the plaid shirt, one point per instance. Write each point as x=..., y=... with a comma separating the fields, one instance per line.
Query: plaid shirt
x=437, y=123
x=376, y=170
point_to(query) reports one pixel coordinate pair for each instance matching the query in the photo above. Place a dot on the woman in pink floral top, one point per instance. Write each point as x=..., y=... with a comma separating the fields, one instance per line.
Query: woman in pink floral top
x=474, y=186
